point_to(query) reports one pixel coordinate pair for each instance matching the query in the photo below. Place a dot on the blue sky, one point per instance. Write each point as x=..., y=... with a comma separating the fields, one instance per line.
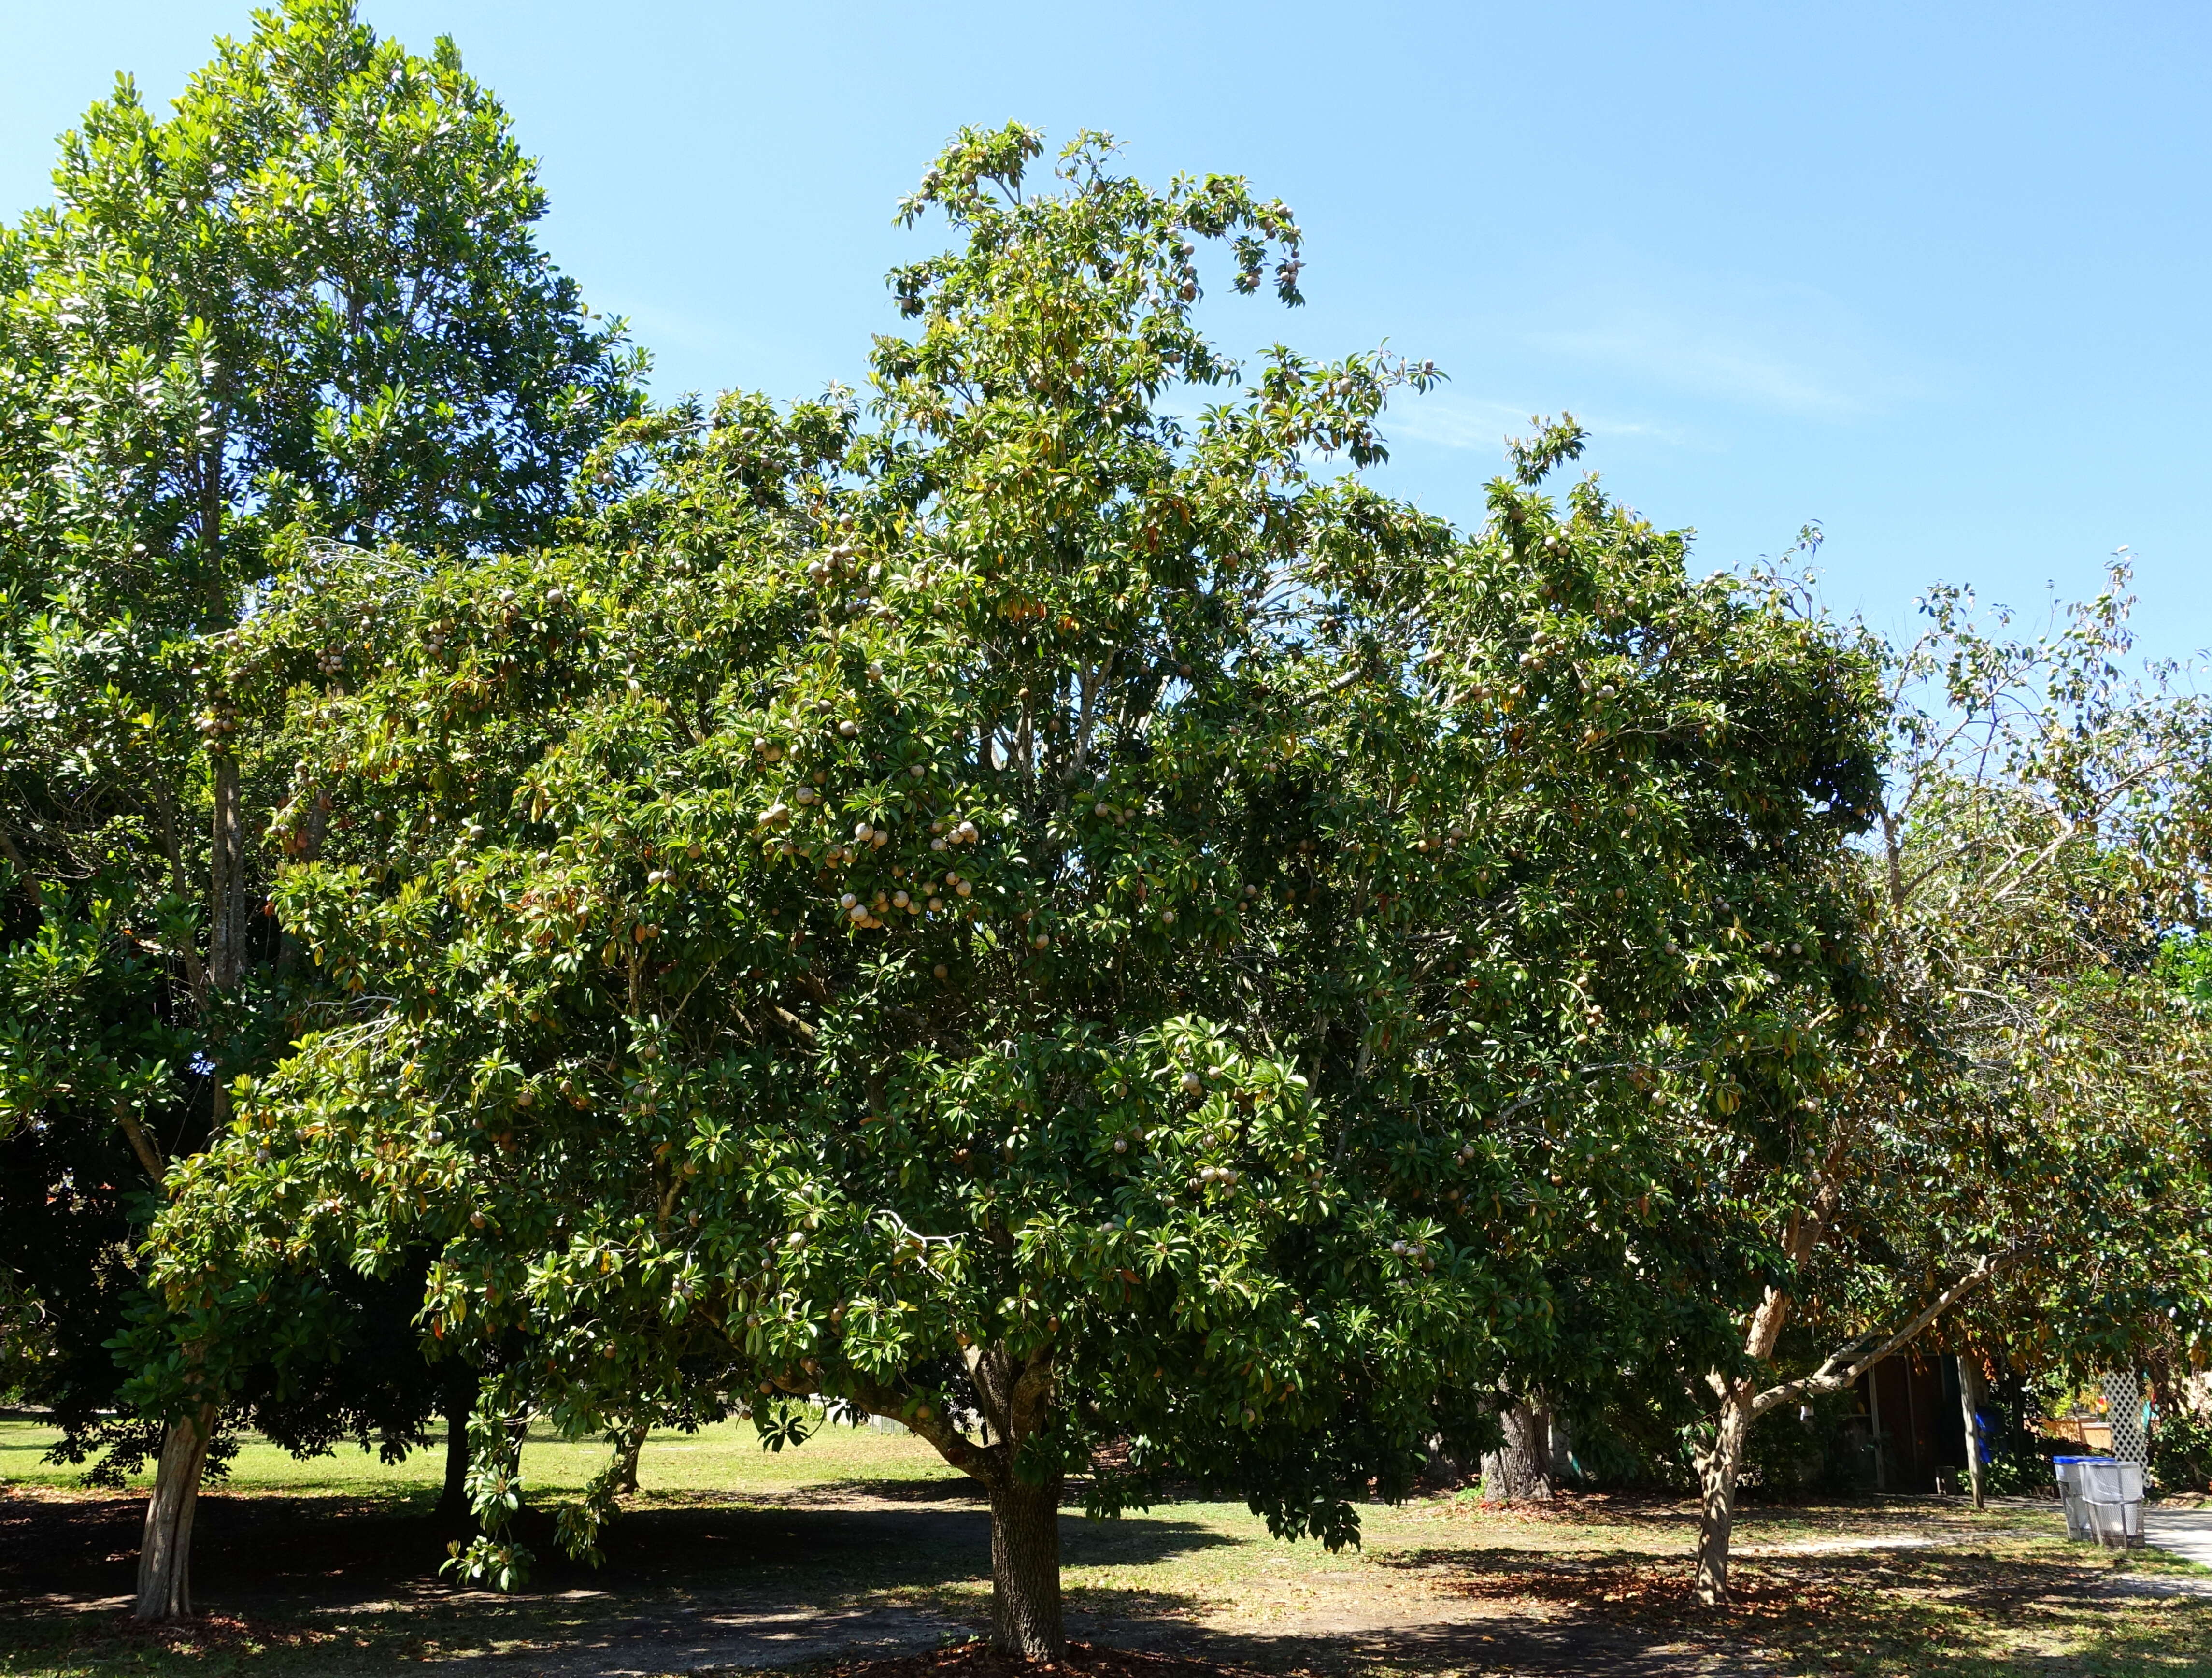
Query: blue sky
x=1934, y=276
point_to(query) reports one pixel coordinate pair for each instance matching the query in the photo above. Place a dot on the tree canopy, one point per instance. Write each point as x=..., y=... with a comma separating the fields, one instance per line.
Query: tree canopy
x=1039, y=909
x=2009, y=1147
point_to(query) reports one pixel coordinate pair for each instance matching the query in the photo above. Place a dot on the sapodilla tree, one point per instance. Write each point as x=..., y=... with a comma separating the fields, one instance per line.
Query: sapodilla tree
x=1684, y=875
x=307, y=299
x=1011, y=910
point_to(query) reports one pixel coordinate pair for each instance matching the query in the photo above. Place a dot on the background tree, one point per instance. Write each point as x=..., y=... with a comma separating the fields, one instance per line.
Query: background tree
x=1678, y=871
x=2014, y=1143
x=309, y=300
x=2055, y=794
x=1039, y=908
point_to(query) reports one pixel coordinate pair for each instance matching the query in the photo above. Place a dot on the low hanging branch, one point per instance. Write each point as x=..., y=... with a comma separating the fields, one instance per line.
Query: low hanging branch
x=1846, y=1366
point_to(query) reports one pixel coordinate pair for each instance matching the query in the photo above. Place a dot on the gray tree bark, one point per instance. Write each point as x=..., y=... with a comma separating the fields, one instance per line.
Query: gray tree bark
x=1971, y=1392
x=453, y=1500
x=633, y=1448
x=1025, y=1617
x=1520, y=1471
x=165, y=1552
x=1718, y=1465
x=1015, y=1395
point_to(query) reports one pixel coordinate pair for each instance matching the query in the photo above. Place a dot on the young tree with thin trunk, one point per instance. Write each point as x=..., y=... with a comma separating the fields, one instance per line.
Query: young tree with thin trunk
x=1972, y=1393
x=2017, y=1147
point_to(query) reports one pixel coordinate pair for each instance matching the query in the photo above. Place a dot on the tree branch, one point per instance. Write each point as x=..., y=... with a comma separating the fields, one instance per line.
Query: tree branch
x=1841, y=1369
x=977, y=1462
x=141, y=1143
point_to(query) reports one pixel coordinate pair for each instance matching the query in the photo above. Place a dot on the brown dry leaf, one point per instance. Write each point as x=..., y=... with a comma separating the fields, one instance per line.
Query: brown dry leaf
x=1657, y=1591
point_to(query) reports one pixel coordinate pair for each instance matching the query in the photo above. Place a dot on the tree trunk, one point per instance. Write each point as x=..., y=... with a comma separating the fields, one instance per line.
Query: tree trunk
x=457, y=1401
x=453, y=1501
x=1721, y=1462
x=165, y=1553
x=1015, y=1394
x=1521, y=1470
x=633, y=1447
x=1718, y=1465
x=1025, y=1568
x=226, y=909
x=225, y=878
x=1970, y=1402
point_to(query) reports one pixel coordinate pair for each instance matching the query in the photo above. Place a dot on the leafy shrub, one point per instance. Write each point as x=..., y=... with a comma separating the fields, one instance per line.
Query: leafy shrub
x=2020, y=1472
x=2181, y=1452
x=1624, y=1448
x=1787, y=1454
x=1602, y=1456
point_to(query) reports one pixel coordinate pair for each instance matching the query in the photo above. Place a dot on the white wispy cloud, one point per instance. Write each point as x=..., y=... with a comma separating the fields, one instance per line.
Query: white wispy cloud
x=1447, y=419
x=1781, y=347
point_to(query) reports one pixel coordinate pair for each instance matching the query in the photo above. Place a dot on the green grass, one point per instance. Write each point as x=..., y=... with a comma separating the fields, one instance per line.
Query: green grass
x=726, y=1459
x=328, y=1567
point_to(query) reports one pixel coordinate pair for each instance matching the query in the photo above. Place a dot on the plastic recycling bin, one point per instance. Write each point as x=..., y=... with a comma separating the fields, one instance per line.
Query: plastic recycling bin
x=2067, y=1469
x=2112, y=1498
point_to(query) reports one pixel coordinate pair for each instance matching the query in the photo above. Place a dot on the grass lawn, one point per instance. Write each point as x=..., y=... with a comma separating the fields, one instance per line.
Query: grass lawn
x=863, y=1542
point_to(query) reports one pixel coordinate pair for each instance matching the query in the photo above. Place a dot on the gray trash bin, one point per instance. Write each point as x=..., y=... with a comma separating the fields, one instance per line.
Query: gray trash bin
x=2068, y=1469
x=2112, y=1500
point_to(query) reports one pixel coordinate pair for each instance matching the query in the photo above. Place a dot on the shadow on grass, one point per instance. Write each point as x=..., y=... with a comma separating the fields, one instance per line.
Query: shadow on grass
x=957, y=1489
x=329, y=1551
x=1952, y=1612
x=1522, y=1647
x=341, y=1586
x=283, y=1572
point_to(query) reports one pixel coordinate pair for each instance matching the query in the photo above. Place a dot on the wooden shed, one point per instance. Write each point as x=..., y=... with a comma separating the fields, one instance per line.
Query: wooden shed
x=1911, y=1423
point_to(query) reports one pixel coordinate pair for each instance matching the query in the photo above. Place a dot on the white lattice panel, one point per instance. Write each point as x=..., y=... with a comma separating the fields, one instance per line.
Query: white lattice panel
x=2124, y=1409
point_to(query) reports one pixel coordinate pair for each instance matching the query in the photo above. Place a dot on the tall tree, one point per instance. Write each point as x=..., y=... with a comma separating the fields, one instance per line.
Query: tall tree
x=1043, y=907
x=309, y=300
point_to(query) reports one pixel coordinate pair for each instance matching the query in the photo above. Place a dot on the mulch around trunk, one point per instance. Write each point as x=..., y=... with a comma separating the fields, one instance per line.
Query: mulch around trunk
x=979, y=1660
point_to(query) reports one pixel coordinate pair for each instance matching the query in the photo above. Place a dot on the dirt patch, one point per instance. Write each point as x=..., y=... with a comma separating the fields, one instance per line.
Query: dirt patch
x=979, y=1660
x=854, y=1576
x=1530, y=1655
x=728, y=1640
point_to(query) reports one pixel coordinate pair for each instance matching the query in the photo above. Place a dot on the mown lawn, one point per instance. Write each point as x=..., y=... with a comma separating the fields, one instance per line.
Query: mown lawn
x=865, y=1541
